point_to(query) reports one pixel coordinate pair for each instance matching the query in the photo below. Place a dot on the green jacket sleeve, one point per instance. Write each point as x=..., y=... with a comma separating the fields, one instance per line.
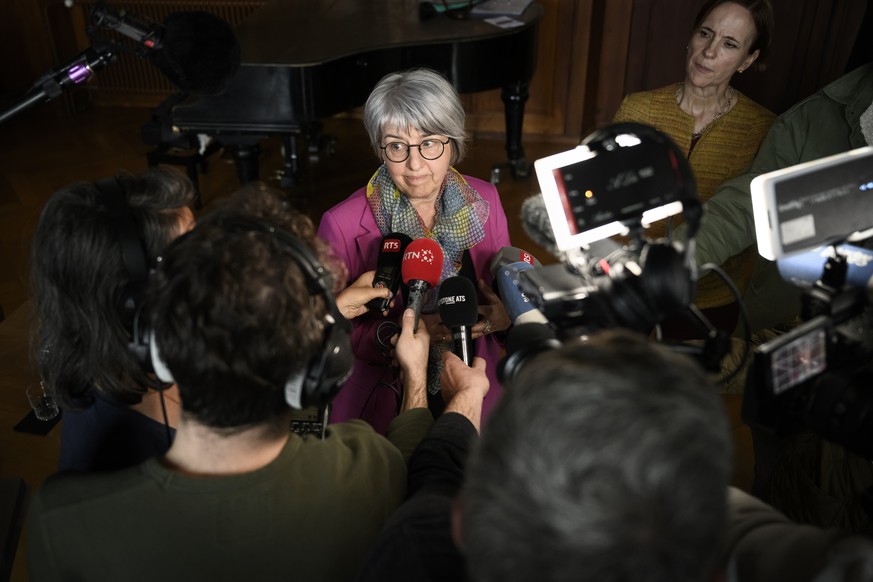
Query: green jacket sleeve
x=728, y=225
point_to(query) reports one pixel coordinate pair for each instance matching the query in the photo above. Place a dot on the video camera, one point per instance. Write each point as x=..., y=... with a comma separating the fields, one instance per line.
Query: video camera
x=818, y=376
x=619, y=180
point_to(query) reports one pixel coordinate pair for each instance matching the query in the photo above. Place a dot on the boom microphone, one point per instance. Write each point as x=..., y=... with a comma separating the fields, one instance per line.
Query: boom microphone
x=146, y=35
x=536, y=223
x=421, y=269
x=197, y=51
x=458, y=305
x=388, y=268
x=517, y=304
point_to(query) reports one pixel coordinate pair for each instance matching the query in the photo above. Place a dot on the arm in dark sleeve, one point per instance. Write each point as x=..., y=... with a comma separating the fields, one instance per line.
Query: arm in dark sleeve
x=416, y=543
x=438, y=462
x=762, y=544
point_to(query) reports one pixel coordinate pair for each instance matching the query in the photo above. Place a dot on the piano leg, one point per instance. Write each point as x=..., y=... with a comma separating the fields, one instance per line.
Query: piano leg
x=246, y=154
x=514, y=97
x=291, y=164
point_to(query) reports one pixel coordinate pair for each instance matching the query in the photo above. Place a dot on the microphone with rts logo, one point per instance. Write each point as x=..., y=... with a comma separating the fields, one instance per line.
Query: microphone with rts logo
x=388, y=267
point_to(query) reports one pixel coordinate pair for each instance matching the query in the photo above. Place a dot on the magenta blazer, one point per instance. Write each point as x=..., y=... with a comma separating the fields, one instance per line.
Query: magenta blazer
x=350, y=229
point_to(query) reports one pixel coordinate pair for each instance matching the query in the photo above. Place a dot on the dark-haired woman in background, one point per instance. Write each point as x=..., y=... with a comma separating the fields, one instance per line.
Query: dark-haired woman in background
x=719, y=128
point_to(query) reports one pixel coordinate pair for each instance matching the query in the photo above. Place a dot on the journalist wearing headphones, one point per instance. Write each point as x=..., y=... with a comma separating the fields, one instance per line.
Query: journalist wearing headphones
x=245, y=323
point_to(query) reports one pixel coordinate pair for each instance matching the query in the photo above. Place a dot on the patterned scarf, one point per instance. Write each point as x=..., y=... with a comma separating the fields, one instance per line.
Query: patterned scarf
x=460, y=224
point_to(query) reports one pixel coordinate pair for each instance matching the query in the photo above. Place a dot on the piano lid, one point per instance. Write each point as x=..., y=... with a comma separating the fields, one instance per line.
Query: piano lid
x=311, y=32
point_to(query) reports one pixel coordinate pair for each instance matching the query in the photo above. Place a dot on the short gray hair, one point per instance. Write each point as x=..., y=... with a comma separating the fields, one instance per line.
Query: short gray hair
x=419, y=99
x=605, y=460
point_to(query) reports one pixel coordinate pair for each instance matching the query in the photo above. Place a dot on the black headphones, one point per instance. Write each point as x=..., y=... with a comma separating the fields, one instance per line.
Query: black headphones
x=133, y=255
x=319, y=382
x=668, y=278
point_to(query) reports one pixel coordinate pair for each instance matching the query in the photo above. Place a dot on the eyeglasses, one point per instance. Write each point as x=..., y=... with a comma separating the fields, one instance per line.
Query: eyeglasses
x=430, y=149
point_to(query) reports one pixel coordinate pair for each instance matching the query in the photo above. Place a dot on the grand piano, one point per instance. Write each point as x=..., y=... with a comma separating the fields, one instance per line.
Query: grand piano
x=306, y=60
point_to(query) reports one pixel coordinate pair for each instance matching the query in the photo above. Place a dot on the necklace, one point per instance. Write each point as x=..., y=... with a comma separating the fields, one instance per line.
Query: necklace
x=730, y=95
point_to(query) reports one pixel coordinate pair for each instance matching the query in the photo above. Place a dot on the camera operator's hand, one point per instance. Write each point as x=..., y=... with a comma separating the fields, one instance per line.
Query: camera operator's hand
x=464, y=387
x=411, y=351
x=352, y=301
x=493, y=315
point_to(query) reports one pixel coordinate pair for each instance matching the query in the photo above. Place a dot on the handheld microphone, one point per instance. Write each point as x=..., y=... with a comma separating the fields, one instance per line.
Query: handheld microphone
x=509, y=255
x=388, y=267
x=517, y=304
x=421, y=269
x=524, y=342
x=197, y=51
x=458, y=305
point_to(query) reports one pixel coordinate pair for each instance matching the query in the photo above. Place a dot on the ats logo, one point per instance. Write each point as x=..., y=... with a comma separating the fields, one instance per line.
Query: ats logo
x=452, y=299
x=391, y=245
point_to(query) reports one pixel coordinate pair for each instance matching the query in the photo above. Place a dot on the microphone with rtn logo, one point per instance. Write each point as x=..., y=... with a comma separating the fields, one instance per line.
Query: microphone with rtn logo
x=421, y=269
x=388, y=268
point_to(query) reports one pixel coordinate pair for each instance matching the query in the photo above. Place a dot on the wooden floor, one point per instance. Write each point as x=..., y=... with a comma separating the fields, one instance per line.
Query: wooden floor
x=41, y=152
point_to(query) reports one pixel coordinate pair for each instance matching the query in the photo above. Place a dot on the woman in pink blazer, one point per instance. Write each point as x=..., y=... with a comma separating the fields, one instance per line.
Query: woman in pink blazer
x=415, y=121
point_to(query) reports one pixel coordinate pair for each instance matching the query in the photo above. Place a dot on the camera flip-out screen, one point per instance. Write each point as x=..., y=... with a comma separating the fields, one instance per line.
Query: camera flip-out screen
x=592, y=195
x=814, y=203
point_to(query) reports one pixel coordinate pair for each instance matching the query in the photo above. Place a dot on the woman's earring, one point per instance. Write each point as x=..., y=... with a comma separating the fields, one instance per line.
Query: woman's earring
x=740, y=71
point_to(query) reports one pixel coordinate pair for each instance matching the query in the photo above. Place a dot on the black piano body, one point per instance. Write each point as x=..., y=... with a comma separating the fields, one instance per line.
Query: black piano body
x=304, y=60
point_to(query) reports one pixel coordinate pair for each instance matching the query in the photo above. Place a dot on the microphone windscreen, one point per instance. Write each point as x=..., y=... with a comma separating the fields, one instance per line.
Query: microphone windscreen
x=199, y=52
x=458, y=302
x=536, y=223
x=509, y=255
x=422, y=261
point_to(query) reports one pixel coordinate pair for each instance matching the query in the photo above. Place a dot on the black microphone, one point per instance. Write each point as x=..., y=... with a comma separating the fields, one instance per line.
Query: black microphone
x=388, y=267
x=197, y=51
x=458, y=305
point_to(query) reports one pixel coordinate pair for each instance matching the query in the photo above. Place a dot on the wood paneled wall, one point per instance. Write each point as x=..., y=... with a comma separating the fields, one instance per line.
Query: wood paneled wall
x=590, y=54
